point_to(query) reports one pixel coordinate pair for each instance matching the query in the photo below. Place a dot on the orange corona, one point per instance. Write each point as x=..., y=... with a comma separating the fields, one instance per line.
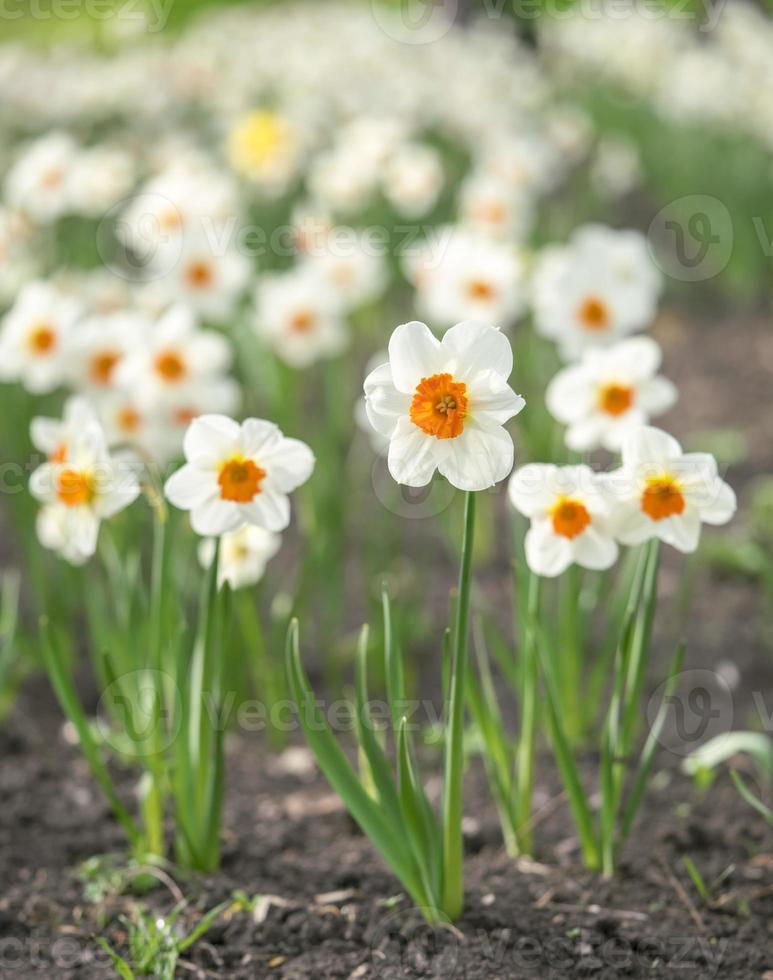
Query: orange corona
x=240, y=480
x=615, y=399
x=593, y=313
x=662, y=498
x=75, y=488
x=439, y=406
x=570, y=517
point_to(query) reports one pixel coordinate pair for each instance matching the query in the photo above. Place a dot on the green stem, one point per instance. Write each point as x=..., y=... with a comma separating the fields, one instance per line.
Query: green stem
x=525, y=755
x=453, y=851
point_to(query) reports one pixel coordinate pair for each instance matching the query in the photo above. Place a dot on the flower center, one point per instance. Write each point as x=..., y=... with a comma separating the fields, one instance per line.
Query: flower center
x=58, y=454
x=570, y=517
x=593, y=313
x=480, y=289
x=302, y=321
x=42, y=339
x=662, y=497
x=240, y=479
x=439, y=406
x=259, y=139
x=184, y=416
x=170, y=366
x=615, y=399
x=199, y=275
x=75, y=487
x=102, y=366
x=128, y=419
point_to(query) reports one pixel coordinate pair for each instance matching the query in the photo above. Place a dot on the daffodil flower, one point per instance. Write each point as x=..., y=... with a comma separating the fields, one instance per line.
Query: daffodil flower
x=244, y=555
x=570, y=518
x=238, y=474
x=80, y=488
x=662, y=492
x=608, y=393
x=443, y=404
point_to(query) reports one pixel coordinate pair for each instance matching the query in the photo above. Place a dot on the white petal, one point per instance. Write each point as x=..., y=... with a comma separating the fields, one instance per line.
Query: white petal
x=595, y=550
x=384, y=404
x=547, y=553
x=269, y=510
x=477, y=459
x=682, y=531
x=587, y=434
x=570, y=395
x=43, y=482
x=531, y=489
x=215, y=516
x=649, y=445
x=657, y=395
x=189, y=487
x=639, y=357
x=82, y=530
x=46, y=434
x=288, y=464
x=492, y=400
x=414, y=353
x=720, y=509
x=259, y=437
x=631, y=525
x=210, y=439
x=411, y=458
x=478, y=347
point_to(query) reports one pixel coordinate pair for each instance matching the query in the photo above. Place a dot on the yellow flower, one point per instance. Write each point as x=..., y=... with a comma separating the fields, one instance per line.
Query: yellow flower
x=261, y=143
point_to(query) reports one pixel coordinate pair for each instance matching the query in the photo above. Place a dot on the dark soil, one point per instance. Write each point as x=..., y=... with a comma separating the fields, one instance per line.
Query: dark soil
x=329, y=907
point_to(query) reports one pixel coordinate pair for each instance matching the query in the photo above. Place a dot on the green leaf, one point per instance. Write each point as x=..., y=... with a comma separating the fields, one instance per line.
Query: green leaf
x=388, y=839
x=418, y=818
x=122, y=968
x=380, y=770
x=750, y=798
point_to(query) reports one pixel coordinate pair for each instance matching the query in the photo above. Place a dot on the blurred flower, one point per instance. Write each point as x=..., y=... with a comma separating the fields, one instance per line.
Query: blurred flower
x=661, y=492
x=264, y=147
x=470, y=276
x=610, y=391
x=299, y=316
x=238, y=474
x=98, y=345
x=208, y=279
x=594, y=290
x=34, y=336
x=570, y=518
x=413, y=179
x=244, y=555
x=443, y=405
x=350, y=267
x=101, y=176
x=176, y=361
x=40, y=181
x=490, y=206
x=81, y=490
x=55, y=436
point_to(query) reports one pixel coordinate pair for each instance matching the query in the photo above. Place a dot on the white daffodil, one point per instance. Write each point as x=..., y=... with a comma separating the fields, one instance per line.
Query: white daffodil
x=413, y=179
x=97, y=347
x=610, y=391
x=597, y=289
x=300, y=317
x=244, y=555
x=80, y=491
x=238, y=474
x=443, y=404
x=176, y=360
x=491, y=206
x=472, y=277
x=40, y=180
x=570, y=518
x=206, y=279
x=101, y=176
x=34, y=337
x=55, y=436
x=353, y=269
x=661, y=492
